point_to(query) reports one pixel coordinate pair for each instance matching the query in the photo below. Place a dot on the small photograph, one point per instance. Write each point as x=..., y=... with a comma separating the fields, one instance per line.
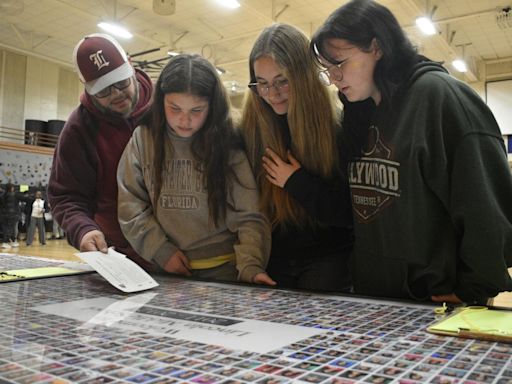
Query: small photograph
x=353, y=374
x=450, y=372
x=249, y=376
x=264, y=358
x=188, y=363
x=290, y=373
x=248, y=364
x=228, y=371
x=306, y=366
x=435, y=361
x=368, y=351
x=329, y=370
x=391, y=371
x=389, y=354
x=98, y=380
x=193, y=353
x=444, y=380
x=208, y=367
x=228, y=360
x=367, y=367
x=340, y=380
x=411, y=357
x=271, y=380
x=241, y=354
x=124, y=373
x=186, y=374
x=171, y=359
x=78, y=375
x=32, y=362
x=268, y=368
x=498, y=356
x=284, y=362
x=313, y=378
x=167, y=370
x=425, y=368
x=378, y=360
x=206, y=379
x=443, y=355
x=209, y=357
x=108, y=367
x=36, y=378
x=63, y=371
x=403, y=364
x=376, y=379
x=507, y=350
x=343, y=363
x=457, y=364
x=13, y=367
x=336, y=353
x=314, y=350
x=146, y=365
x=482, y=377
x=17, y=373
x=416, y=376
x=131, y=361
x=166, y=380
x=300, y=355
x=421, y=352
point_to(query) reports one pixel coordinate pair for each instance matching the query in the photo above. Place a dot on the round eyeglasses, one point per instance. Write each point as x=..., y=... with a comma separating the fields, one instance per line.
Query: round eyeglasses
x=120, y=85
x=333, y=72
x=262, y=89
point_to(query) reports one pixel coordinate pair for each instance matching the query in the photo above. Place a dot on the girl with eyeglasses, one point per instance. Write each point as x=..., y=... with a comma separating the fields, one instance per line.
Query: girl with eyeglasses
x=188, y=201
x=430, y=183
x=289, y=128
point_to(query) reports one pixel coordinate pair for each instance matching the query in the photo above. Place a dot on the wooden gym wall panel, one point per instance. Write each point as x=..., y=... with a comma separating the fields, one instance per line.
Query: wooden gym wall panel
x=13, y=87
x=41, y=89
x=2, y=57
x=68, y=93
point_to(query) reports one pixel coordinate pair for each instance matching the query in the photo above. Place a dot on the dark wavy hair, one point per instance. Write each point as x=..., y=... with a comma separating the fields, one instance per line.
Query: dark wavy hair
x=361, y=21
x=211, y=145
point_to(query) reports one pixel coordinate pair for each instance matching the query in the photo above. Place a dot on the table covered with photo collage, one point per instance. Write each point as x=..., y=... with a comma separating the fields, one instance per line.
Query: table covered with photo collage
x=79, y=329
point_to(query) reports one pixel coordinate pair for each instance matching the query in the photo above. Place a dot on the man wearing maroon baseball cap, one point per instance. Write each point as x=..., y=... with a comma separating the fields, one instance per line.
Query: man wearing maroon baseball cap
x=83, y=189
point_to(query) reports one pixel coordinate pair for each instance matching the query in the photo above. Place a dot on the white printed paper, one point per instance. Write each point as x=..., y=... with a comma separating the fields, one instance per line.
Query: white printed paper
x=119, y=270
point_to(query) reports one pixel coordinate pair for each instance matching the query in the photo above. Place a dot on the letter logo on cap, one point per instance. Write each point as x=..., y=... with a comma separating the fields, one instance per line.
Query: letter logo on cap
x=99, y=60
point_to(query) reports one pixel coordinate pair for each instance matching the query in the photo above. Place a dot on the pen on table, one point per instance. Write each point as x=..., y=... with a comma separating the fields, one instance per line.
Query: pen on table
x=490, y=335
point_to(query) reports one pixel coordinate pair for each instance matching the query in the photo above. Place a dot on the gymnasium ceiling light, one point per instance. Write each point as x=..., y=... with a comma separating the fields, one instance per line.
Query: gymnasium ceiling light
x=229, y=3
x=460, y=65
x=426, y=26
x=115, y=29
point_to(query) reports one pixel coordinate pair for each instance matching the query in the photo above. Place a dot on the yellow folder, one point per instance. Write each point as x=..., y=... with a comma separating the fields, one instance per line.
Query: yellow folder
x=477, y=323
x=35, y=273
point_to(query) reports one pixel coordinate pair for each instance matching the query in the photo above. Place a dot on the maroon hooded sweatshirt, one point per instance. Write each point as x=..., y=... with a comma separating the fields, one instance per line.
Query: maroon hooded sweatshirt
x=82, y=190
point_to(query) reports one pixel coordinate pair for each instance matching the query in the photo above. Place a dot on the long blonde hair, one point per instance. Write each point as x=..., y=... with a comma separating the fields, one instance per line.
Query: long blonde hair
x=311, y=121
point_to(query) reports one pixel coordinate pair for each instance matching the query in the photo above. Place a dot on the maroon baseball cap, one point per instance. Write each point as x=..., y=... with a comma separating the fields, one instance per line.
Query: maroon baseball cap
x=100, y=62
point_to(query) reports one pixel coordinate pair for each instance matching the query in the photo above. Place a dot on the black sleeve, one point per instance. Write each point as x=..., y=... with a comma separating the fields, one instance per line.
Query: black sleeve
x=328, y=203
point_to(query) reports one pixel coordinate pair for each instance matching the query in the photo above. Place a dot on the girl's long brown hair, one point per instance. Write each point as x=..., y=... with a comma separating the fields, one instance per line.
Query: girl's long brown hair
x=212, y=144
x=311, y=120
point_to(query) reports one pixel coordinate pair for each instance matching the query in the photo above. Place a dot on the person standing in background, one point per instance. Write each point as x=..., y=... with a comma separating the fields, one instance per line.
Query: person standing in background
x=430, y=183
x=82, y=189
x=289, y=128
x=39, y=207
x=10, y=215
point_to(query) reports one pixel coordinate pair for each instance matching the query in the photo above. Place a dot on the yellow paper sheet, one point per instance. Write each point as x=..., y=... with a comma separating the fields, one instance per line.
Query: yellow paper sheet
x=479, y=322
x=31, y=273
